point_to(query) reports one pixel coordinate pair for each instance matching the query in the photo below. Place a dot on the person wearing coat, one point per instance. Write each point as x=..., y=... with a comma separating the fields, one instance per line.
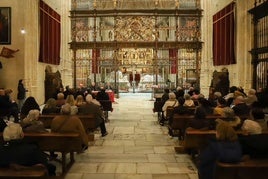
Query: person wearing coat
x=69, y=123
x=226, y=148
x=15, y=151
x=92, y=108
x=21, y=96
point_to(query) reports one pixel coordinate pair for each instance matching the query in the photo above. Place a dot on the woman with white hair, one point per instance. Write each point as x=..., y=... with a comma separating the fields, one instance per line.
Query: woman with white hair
x=251, y=97
x=188, y=101
x=15, y=151
x=31, y=122
x=173, y=102
x=90, y=99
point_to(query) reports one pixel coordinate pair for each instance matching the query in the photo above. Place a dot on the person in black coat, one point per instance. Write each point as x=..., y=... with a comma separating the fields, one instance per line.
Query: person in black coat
x=21, y=96
x=15, y=151
x=2, y=124
x=102, y=95
x=29, y=104
x=179, y=92
x=8, y=107
x=240, y=107
x=225, y=149
x=165, y=95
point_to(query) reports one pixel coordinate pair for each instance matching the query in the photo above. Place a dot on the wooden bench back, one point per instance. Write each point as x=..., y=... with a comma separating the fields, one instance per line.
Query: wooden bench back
x=50, y=141
x=198, y=139
x=248, y=169
x=88, y=121
x=58, y=142
x=24, y=172
x=180, y=121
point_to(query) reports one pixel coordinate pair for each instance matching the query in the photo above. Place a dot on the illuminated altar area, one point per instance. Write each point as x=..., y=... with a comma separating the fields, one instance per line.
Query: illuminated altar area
x=136, y=44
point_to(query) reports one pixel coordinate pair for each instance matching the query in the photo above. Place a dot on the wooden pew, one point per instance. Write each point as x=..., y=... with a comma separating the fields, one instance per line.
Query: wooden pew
x=37, y=171
x=248, y=169
x=88, y=121
x=197, y=139
x=180, y=122
x=58, y=142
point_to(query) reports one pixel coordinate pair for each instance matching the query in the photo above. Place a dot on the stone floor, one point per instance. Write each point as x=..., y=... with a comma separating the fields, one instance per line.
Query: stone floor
x=137, y=147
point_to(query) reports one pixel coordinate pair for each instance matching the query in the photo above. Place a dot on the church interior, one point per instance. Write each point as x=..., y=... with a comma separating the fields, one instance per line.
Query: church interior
x=144, y=44
x=139, y=47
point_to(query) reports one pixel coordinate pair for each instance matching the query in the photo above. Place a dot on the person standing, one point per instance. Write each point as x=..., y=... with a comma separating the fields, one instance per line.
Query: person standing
x=21, y=93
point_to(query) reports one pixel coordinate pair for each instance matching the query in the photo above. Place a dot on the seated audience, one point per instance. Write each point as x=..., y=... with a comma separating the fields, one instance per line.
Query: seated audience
x=171, y=102
x=29, y=104
x=80, y=101
x=93, y=87
x=256, y=144
x=195, y=94
x=8, y=107
x=69, y=123
x=221, y=104
x=202, y=110
x=199, y=121
x=258, y=115
x=102, y=95
x=93, y=100
x=262, y=96
x=230, y=96
x=51, y=107
x=70, y=100
x=165, y=95
x=180, y=109
x=67, y=91
x=91, y=108
x=188, y=101
x=214, y=99
x=205, y=105
x=225, y=149
x=179, y=92
x=251, y=127
x=251, y=97
x=31, y=122
x=60, y=99
x=240, y=92
x=230, y=118
x=15, y=151
x=108, y=86
x=191, y=91
x=240, y=108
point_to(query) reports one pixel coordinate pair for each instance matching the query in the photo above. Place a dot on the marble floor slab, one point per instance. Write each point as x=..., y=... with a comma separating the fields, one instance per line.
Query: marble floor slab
x=137, y=147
